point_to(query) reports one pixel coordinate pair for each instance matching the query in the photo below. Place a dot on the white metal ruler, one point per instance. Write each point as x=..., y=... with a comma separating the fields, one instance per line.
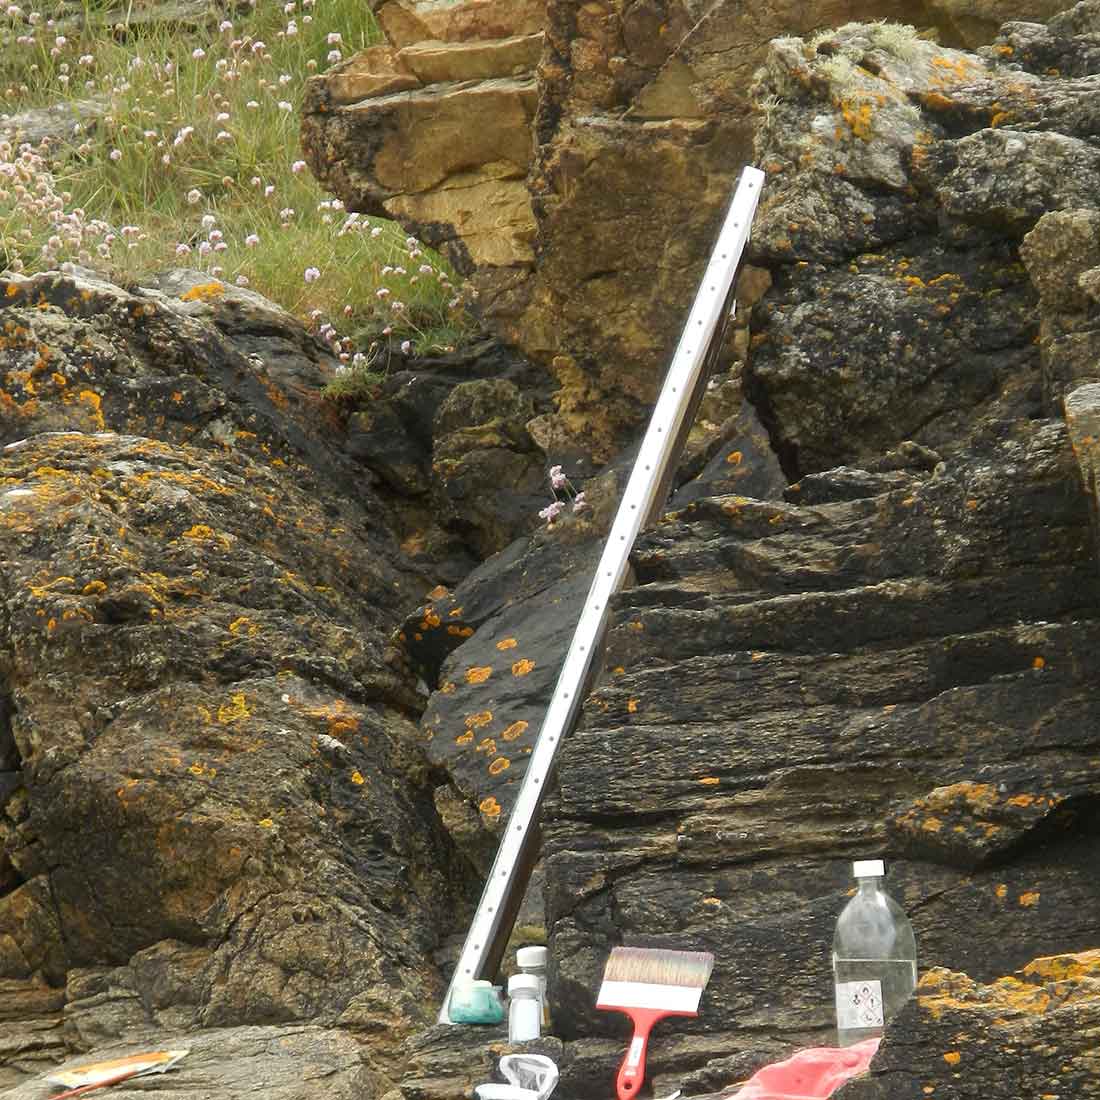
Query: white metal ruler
x=644, y=496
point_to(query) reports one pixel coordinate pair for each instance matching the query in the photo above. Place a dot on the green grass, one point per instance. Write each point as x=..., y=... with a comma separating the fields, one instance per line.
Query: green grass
x=195, y=162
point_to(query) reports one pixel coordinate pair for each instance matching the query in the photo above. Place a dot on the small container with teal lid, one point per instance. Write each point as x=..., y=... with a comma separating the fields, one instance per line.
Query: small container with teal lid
x=476, y=1002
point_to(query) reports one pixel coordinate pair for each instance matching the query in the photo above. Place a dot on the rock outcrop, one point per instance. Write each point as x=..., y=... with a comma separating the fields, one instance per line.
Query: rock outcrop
x=895, y=655
x=581, y=196
x=215, y=812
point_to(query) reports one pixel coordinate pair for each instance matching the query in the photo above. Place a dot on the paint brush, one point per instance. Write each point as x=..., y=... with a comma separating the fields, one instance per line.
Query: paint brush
x=648, y=985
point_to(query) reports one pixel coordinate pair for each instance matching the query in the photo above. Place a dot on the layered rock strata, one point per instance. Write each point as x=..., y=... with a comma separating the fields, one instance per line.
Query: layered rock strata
x=584, y=205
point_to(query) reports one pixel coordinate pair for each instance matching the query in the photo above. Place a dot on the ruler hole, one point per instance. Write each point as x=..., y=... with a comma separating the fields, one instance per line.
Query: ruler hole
x=535, y=780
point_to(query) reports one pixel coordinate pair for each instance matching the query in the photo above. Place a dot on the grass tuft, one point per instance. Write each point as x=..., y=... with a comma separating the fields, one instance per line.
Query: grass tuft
x=193, y=161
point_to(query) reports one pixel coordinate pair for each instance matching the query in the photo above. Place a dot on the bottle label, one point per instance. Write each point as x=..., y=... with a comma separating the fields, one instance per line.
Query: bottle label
x=859, y=1004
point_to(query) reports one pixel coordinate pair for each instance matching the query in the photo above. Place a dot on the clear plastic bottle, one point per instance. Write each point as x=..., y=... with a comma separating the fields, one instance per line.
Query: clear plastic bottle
x=524, y=1011
x=874, y=958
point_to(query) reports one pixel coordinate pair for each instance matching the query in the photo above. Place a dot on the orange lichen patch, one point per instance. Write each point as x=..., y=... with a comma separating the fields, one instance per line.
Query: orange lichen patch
x=932, y=825
x=357, y=778
x=236, y=710
x=500, y=764
x=476, y=721
x=952, y=1057
x=632, y=706
x=199, y=769
x=439, y=592
x=454, y=612
x=490, y=807
x=203, y=292
x=710, y=781
x=734, y=458
x=776, y=520
x=200, y=533
x=636, y=625
x=935, y=101
x=972, y=504
x=41, y=590
x=447, y=689
x=1000, y=118
x=858, y=118
x=243, y=625
x=478, y=674
x=522, y=667
x=94, y=402
x=1062, y=968
x=92, y=587
x=1024, y=800
x=460, y=631
x=488, y=746
x=516, y=729
x=506, y=643
x=618, y=670
x=1001, y=890
x=1038, y=662
x=1029, y=898
x=266, y=823
x=466, y=738
x=431, y=620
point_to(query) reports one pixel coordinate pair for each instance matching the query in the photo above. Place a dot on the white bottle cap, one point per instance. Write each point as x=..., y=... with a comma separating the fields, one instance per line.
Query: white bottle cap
x=868, y=868
x=522, y=983
x=531, y=957
x=480, y=983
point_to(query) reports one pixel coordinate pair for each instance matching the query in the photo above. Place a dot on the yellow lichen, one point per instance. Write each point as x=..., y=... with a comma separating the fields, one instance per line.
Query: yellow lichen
x=476, y=721
x=478, y=674
x=235, y=710
x=490, y=807
x=203, y=292
x=506, y=643
x=501, y=763
x=522, y=667
x=357, y=778
x=513, y=731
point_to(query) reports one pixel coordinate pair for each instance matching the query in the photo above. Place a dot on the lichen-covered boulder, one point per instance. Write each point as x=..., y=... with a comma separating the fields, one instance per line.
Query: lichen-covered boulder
x=1022, y=1034
x=215, y=811
x=874, y=138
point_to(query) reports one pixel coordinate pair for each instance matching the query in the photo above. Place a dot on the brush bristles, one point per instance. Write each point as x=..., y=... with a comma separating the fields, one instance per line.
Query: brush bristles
x=657, y=967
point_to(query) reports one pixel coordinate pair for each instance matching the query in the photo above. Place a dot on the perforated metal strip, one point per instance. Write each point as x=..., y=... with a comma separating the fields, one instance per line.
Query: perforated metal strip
x=492, y=922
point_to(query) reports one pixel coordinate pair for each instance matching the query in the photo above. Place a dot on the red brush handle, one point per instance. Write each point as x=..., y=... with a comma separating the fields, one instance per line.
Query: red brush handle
x=632, y=1071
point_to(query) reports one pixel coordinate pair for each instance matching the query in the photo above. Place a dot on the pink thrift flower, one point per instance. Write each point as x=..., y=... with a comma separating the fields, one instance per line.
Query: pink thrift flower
x=251, y=240
x=298, y=166
x=557, y=478
x=551, y=512
x=579, y=503
x=312, y=274
x=194, y=196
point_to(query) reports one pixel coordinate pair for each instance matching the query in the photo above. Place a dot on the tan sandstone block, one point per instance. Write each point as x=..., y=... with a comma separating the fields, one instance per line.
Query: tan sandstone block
x=405, y=22
x=436, y=62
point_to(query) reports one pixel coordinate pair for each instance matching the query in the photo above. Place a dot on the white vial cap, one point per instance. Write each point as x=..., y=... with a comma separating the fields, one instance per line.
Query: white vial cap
x=480, y=983
x=522, y=983
x=531, y=957
x=868, y=868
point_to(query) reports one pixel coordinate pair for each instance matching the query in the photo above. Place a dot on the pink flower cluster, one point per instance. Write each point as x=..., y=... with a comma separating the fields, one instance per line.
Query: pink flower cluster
x=559, y=483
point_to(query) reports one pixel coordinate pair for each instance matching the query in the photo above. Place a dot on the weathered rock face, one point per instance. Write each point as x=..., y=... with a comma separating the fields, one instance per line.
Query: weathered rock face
x=214, y=809
x=630, y=140
x=899, y=658
x=434, y=128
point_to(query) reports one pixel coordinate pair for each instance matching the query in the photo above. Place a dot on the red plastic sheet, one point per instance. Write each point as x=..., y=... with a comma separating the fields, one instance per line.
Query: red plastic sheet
x=809, y=1074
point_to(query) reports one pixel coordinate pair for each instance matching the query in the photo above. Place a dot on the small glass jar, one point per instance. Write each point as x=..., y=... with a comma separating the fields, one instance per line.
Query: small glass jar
x=525, y=1010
